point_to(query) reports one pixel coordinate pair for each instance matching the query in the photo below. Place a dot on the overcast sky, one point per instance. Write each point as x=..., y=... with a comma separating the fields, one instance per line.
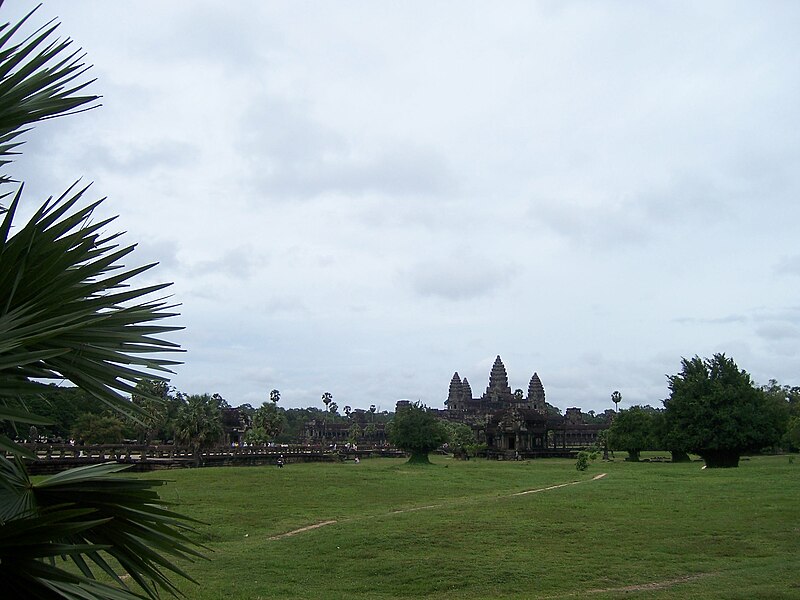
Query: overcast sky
x=364, y=197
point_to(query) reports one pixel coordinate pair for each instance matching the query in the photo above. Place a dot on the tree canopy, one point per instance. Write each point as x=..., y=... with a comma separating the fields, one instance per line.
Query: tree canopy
x=714, y=410
x=632, y=431
x=416, y=430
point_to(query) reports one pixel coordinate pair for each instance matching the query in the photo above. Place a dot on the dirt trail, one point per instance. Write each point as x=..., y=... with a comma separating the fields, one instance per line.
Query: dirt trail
x=430, y=506
x=643, y=587
x=301, y=530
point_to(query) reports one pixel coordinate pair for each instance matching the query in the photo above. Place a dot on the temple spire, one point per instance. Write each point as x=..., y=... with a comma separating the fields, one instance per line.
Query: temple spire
x=498, y=389
x=536, y=394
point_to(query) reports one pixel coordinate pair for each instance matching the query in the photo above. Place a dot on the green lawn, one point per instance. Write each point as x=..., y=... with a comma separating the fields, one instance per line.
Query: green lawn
x=649, y=530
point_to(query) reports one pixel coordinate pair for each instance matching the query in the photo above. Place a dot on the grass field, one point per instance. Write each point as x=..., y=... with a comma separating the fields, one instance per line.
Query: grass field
x=457, y=530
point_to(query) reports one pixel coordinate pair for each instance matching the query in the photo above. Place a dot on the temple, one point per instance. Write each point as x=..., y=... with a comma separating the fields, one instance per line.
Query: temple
x=515, y=425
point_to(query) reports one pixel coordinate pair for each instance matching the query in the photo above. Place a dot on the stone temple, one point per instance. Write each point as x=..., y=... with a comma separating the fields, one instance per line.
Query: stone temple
x=515, y=425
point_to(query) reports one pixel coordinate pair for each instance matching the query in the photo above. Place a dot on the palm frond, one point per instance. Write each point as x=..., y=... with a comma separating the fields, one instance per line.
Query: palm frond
x=39, y=79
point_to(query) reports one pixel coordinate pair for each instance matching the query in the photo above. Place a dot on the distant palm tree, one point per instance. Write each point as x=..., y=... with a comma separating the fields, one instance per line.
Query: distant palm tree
x=68, y=312
x=275, y=396
x=616, y=398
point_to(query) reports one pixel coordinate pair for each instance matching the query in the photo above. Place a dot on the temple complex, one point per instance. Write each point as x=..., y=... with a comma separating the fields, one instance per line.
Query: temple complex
x=513, y=424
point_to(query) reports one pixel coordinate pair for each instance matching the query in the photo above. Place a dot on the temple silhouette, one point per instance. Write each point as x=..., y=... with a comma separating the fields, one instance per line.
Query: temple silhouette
x=515, y=425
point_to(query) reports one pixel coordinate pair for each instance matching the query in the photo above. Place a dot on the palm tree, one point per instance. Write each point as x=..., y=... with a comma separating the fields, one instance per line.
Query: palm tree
x=199, y=424
x=616, y=398
x=275, y=396
x=68, y=311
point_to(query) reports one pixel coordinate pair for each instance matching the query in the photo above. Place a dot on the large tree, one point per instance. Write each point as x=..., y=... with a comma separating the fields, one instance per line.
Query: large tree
x=632, y=431
x=714, y=410
x=416, y=430
x=70, y=312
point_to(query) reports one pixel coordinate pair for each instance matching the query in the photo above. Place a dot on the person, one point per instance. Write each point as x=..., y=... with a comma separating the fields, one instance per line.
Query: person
x=280, y=461
x=357, y=460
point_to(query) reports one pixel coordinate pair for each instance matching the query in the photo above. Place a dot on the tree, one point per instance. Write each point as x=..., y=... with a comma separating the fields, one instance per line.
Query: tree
x=460, y=439
x=199, y=424
x=663, y=439
x=789, y=396
x=714, y=410
x=354, y=433
x=417, y=431
x=156, y=398
x=270, y=420
x=69, y=311
x=370, y=431
x=97, y=429
x=616, y=398
x=632, y=431
x=327, y=398
x=275, y=396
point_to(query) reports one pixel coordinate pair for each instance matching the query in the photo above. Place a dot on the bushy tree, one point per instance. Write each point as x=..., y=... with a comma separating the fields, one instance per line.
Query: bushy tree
x=98, y=429
x=632, y=431
x=460, y=439
x=789, y=396
x=714, y=410
x=416, y=430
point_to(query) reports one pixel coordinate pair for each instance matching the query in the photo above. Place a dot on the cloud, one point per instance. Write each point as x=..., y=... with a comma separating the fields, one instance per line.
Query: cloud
x=788, y=265
x=290, y=155
x=459, y=277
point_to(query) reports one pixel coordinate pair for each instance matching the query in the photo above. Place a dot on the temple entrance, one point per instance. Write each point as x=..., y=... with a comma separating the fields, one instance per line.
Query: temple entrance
x=511, y=442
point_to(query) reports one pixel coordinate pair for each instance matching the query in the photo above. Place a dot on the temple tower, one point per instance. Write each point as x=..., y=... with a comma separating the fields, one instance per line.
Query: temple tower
x=455, y=393
x=498, y=389
x=536, y=394
x=466, y=390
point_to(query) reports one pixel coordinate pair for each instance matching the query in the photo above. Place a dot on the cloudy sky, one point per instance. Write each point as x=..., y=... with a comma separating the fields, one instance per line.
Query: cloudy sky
x=364, y=197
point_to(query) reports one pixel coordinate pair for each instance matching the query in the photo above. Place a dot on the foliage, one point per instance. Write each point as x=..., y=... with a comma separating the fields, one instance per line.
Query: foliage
x=199, y=423
x=632, y=431
x=269, y=419
x=460, y=439
x=275, y=396
x=161, y=405
x=69, y=312
x=355, y=432
x=98, y=429
x=416, y=430
x=714, y=410
x=82, y=515
x=790, y=395
x=584, y=458
x=61, y=406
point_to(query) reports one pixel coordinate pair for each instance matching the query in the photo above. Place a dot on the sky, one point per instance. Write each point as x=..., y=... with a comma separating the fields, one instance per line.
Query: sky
x=365, y=197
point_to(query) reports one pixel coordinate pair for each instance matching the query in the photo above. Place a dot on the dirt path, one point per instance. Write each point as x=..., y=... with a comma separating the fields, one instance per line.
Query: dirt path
x=301, y=530
x=643, y=587
x=430, y=506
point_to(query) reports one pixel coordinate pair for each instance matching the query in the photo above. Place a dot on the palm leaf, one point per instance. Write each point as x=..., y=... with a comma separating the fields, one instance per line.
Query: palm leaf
x=69, y=311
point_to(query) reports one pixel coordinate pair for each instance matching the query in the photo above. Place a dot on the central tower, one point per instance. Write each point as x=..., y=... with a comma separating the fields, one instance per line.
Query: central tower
x=498, y=390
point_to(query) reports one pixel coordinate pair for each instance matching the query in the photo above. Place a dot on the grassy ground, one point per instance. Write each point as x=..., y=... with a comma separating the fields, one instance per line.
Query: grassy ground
x=650, y=530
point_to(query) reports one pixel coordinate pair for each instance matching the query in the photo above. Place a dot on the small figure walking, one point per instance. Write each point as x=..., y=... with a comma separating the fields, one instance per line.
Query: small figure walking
x=280, y=461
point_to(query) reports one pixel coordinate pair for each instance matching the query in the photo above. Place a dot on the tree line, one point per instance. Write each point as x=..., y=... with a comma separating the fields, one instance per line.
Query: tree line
x=715, y=411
